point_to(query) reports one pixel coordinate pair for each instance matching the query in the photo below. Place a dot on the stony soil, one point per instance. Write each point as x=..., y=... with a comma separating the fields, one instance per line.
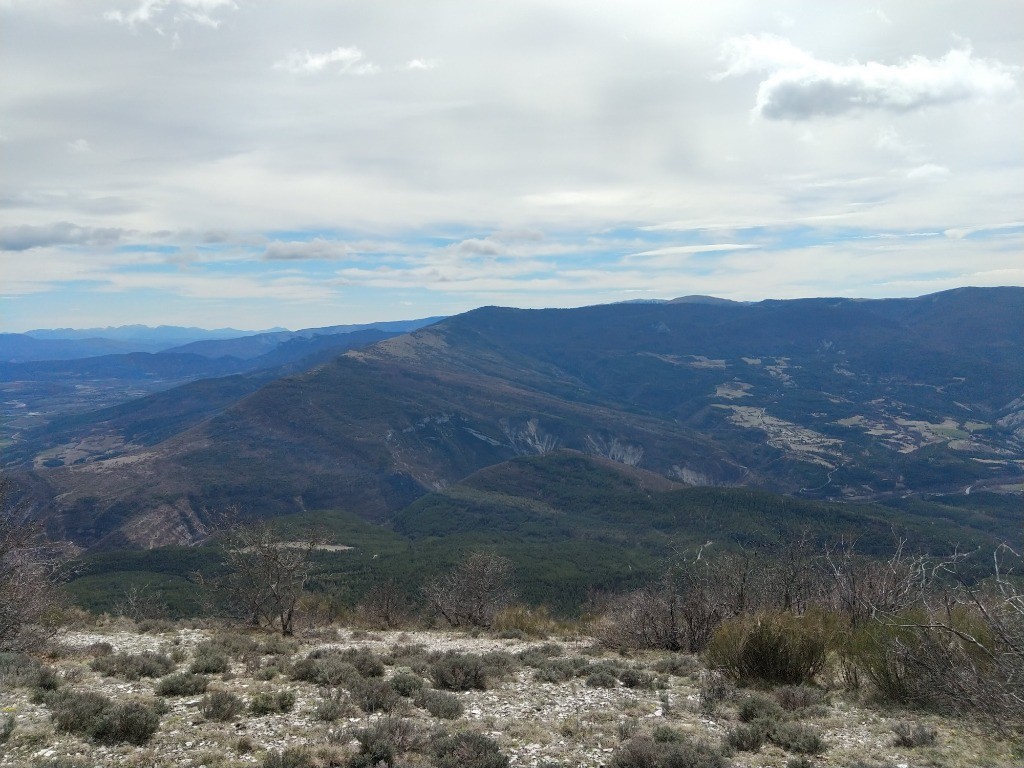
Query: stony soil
x=535, y=723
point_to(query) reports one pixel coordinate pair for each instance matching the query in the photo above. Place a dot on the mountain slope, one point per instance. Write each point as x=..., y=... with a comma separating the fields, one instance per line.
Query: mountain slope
x=832, y=398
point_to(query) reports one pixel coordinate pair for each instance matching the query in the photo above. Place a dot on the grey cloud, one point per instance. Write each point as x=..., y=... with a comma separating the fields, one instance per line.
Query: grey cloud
x=319, y=249
x=26, y=237
x=476, y=246
x=800, y=86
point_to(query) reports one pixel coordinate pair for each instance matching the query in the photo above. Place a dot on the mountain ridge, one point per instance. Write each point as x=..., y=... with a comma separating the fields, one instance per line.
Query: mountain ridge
x=823, y=398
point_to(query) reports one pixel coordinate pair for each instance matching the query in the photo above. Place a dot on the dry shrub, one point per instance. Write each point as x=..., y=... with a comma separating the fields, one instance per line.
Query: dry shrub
x=522, y=621
x=385, y=607
x=473, y=593
x=770, y=649
x=647, y=752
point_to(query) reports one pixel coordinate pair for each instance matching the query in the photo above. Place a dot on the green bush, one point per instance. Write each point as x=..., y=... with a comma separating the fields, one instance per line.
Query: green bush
x=133, y=722
x=94, y=715
x=537, y=655
x=385, y=740
x=645, y=752
x=26, y=672
x=770, y=649
x=748, y=737
x=797, y=737
x=467, y=750
x=292, y=757
x=6, y=728
x=664, y=734
x=375, y=695
x=326, y=670
x=636, y=678
x=19, y=670
x=413, y=655
x=334, y=704
x=678, y=664
x=208, y=660
x=133, y=666
x=558, y=670
x=233, y=644
x=275, y=645
x=407, y=683
x=366, y=662
x=757, y=706
x=76, y=711
x=500, y=664
x=459, y=672
x=602, y=678
x=440, y=704
x=271, y=702
x=181, y=684
x=220, y=706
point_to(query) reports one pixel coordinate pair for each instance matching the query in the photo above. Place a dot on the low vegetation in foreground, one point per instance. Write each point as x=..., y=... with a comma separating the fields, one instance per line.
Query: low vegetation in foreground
x=113, y=692
x=803, y=656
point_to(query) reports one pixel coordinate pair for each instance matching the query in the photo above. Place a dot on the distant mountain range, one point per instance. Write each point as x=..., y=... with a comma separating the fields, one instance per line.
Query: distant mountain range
x=72, y=344
x=820, y=398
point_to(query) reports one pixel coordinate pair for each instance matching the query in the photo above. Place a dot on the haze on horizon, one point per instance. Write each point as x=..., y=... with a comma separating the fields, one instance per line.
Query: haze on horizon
x=253, y=164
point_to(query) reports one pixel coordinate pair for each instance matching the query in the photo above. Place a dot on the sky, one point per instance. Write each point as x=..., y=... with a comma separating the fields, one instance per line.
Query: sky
x=294, y=163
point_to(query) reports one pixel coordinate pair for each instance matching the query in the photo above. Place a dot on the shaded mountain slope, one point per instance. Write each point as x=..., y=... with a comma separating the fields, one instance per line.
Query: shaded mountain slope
x=834, y=398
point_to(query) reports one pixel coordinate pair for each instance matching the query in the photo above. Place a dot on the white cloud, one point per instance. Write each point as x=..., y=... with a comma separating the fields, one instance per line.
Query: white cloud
x=928, y=172
x=79, y=147
x=348, y=60
x=596, y=124
x=421, y=64
x=155, y=13
x=684, y=250
x=800, y=86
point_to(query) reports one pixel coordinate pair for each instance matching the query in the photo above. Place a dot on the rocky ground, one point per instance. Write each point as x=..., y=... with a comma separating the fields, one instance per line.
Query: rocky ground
x=534, y=722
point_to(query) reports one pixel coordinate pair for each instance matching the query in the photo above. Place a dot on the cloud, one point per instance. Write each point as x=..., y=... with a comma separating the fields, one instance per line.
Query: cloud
x=317, y=249
x=350, y=61
x=25, y=237
x=680, y=250
x=800, y=86
x=155, y=13
x=79, y=146
x=218, y=287
x=476, y=246
x=421, y=64
x=928, y=172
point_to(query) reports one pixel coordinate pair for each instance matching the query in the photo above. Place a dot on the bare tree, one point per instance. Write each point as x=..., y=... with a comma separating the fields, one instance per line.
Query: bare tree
x=681, y=611
x=30, y=573
x=385, y=607
x=862, y=588
x=474, y=592
x=138, y=602
x=963, y=649
x=266, y=574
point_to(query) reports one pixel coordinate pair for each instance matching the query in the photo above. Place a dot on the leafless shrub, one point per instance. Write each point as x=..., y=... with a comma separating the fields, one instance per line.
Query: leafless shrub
x=473, y=593
x=862, y=588
x=681, y=611
x=138, y=602
x=30, y=572
x=266, y=575
x=959, y=648
x=385, y=607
